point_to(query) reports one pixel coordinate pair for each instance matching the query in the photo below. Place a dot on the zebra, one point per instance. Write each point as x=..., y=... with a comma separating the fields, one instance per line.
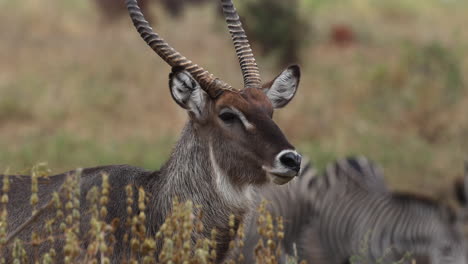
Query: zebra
x=292, y=201
x=344, y=212
x=360, y=218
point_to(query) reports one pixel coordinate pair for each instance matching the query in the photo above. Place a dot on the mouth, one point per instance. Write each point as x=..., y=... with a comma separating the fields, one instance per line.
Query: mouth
x=280, y=177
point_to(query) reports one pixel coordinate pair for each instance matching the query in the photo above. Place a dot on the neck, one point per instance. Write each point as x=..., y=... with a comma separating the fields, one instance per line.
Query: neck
x=193, y=173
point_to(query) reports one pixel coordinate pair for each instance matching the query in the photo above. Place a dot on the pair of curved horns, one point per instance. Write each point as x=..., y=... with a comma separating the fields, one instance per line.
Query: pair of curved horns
x=172, y=57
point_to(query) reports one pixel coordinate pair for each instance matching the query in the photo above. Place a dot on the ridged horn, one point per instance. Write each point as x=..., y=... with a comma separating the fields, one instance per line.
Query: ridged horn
x=207, y=81
x=247, y=62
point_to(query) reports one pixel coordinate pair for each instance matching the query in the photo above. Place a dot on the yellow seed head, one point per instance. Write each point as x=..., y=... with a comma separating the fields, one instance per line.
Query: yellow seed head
x=5, y=198
x=104, y=200
x=34, y=199
x=103, y=212
x=6, y=184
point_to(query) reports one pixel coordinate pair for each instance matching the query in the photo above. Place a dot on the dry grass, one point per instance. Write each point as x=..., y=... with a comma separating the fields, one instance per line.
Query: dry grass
x=175, y=238
x=75, y=93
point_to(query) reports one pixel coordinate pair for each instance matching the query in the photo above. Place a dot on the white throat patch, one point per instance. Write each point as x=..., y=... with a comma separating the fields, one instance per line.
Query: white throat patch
x=237, y=196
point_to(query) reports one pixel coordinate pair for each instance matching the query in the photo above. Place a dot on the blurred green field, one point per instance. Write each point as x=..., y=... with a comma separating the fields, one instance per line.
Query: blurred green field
x=77, y=92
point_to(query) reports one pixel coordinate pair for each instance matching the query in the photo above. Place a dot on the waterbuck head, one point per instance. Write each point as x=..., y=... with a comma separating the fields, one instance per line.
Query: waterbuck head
x=244, y=142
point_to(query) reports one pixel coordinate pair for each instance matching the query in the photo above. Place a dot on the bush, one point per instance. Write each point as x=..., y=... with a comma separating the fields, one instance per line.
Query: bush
x=277, y=28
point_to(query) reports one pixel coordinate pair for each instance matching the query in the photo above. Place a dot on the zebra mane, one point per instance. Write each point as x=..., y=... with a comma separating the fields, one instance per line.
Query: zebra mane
x=340, y=177
x=358, y=171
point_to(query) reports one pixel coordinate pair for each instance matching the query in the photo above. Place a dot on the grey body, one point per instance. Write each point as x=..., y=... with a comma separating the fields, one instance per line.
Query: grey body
x=19, y=208
x=176, y=179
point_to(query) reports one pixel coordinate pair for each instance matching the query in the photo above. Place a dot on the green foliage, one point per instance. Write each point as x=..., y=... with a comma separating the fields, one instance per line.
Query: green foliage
x=429, y=72
x=277, y=27
x=313, y=4
x=420, y=89
x=65, y=149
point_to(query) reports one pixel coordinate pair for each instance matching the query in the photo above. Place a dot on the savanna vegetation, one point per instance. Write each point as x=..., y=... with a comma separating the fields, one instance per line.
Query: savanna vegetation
x=171, y=244
x=76, y=92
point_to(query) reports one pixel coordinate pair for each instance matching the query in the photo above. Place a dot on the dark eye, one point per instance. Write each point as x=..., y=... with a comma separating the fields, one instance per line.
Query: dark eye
x=228, y=117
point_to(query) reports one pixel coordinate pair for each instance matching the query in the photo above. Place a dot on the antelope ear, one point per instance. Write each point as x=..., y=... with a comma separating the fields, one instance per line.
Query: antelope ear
x=187, y=92
x=283, y=87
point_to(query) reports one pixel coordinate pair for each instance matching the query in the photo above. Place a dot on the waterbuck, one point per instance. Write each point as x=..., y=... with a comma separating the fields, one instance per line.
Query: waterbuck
x=229, y=146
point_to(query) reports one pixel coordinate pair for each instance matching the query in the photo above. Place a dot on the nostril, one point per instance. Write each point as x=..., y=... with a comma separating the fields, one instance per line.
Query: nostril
x=291, y=160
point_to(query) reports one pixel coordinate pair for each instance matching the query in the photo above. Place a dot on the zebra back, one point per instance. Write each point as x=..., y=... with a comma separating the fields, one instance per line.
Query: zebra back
x=343, y=176
x=354, y=202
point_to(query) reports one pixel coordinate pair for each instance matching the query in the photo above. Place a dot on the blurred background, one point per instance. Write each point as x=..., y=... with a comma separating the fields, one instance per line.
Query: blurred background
x=382, y=78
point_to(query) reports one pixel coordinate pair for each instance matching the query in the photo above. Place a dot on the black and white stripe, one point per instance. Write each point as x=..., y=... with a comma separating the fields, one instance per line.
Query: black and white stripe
x=355, y=215
x=358, y=171
x=349, y=211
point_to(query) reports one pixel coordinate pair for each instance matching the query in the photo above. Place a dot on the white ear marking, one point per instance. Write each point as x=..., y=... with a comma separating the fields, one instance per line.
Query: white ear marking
x=187, y=92
x=284, y=87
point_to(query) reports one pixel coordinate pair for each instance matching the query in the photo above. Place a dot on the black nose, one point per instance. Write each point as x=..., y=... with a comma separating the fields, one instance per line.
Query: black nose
x=291, y=160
